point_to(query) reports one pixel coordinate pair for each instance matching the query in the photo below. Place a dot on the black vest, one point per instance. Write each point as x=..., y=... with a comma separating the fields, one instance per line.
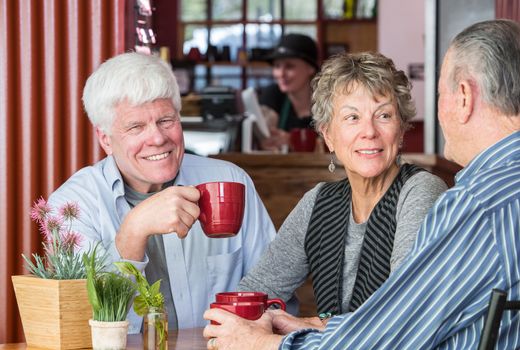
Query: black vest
x=325, y=242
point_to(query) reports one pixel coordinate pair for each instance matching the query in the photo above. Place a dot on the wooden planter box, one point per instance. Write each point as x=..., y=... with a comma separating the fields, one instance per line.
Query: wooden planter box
x=54, y=313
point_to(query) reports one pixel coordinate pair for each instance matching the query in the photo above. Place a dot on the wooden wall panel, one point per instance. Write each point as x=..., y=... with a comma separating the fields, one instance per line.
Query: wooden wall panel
x=48, y=49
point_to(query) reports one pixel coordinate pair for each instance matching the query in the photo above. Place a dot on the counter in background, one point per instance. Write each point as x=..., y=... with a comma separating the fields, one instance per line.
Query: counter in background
x=282, y=179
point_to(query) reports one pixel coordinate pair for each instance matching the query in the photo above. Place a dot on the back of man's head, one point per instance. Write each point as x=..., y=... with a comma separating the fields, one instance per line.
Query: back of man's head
x=132, y=77
x=489, y=53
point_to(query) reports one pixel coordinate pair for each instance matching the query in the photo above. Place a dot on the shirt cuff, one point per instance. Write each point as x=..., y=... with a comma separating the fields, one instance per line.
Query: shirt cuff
x=140, y=265
x=296, y=339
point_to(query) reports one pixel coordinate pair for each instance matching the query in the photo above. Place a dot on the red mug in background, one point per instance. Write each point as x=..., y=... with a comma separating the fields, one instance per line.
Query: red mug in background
x=221, y=208
x=239, y=297
x=302, y=140
x=250, y=310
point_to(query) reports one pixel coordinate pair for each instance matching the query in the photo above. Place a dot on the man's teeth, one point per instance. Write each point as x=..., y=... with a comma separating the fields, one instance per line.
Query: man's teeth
x=369, y=152
x=158, y=156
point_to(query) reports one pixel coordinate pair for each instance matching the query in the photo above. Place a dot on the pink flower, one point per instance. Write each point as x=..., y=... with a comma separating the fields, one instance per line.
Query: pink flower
x=69, y=211
x=51, y=227
x=40, y=210
x=70, y=240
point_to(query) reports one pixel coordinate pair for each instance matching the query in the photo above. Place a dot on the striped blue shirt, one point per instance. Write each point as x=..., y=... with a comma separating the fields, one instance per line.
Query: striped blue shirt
x=468, y=244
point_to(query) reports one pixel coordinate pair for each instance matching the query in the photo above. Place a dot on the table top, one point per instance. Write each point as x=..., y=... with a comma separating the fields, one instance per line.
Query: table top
x=183, y=339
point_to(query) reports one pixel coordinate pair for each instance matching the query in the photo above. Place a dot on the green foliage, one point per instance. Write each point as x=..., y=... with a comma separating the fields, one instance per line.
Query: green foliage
x=110, y=294
x=149, y=300
x=65, y=266
x=149, y=296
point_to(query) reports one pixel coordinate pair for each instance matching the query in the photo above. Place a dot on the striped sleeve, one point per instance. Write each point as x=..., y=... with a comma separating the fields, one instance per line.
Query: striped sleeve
x=440, y=290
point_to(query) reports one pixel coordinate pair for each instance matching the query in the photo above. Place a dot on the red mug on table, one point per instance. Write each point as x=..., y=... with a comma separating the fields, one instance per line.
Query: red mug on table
x=302, y=140
x=221, y=208
x=250, y=310
x=239, y=297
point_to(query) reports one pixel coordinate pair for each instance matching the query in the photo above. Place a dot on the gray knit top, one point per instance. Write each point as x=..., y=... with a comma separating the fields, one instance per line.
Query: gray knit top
x=284, y=267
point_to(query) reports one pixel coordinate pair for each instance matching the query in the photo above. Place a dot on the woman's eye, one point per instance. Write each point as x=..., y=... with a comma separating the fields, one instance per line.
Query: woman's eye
x=352, y=117
x=385, y=116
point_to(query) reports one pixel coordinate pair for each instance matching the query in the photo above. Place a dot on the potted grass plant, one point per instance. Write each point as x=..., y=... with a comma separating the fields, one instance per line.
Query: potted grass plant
x=110, y=295
x=52, y=300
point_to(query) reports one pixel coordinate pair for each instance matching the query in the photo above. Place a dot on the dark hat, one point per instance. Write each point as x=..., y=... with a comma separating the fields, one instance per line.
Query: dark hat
x=296, y=46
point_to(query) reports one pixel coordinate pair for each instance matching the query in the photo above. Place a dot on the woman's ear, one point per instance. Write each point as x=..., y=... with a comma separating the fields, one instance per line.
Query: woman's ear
x=326, y=138
x=104, y=141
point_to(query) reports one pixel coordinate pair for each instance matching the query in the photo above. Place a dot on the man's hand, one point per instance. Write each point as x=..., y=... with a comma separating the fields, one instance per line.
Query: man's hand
x=284, y=323
x=173, y=209
x=238, y=333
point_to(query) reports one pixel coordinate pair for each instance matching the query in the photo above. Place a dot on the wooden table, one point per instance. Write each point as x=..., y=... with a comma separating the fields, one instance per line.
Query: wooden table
x=183, y=339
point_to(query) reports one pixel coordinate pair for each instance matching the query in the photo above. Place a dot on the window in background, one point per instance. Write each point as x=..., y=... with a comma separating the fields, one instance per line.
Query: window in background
x=227, y=40
x=232, y=37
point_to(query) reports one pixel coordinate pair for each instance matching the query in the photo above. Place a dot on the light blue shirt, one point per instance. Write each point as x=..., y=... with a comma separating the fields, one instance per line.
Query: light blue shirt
x=468, y=244
x=198, y=266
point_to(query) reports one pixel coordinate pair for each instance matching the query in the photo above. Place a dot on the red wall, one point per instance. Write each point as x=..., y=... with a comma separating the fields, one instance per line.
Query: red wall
x=48, y=49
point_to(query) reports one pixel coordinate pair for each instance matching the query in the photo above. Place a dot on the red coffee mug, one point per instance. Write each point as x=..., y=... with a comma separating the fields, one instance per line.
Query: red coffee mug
x=221, y=208
x=250, y=310
x=302, y=140
x=239, y=297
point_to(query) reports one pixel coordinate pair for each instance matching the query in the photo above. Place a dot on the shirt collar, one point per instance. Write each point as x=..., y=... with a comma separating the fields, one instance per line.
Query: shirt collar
x=498, y=154
x=113, y=176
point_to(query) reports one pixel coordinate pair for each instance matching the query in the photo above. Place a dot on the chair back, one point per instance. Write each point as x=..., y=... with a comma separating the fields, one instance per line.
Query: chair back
x=497, y=305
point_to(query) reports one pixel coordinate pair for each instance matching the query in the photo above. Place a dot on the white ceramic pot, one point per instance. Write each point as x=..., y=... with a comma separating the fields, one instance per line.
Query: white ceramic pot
x=108, y=335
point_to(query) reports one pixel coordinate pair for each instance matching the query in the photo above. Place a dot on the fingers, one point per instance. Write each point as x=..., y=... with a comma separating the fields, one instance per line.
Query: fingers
x=212, y=344
x=219, y=315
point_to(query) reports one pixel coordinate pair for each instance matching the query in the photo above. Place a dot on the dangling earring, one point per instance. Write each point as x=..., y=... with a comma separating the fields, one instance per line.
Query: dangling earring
x=398, y=159
x=332, y=166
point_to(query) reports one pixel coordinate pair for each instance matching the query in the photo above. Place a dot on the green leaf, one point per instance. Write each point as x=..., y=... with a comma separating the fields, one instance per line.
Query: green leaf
x=89, y=263
x=140, y=305
x=155, y=288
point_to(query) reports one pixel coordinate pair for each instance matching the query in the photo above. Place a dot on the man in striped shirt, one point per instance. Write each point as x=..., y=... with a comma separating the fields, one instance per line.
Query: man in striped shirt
x=468, y=244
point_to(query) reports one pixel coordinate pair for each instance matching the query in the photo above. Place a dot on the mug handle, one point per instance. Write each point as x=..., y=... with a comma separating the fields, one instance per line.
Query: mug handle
x=279, y=302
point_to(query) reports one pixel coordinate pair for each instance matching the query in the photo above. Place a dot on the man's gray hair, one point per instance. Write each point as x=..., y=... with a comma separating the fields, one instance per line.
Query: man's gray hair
x=131, y=77
x=489, y=53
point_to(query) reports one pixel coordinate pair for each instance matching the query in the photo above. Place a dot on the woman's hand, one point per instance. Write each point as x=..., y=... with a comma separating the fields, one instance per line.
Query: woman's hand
x=278, y=140
x=238, y=333
x=284, y=323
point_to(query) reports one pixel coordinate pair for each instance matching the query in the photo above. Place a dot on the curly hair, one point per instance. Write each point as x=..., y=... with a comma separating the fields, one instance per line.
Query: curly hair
x=341, y=73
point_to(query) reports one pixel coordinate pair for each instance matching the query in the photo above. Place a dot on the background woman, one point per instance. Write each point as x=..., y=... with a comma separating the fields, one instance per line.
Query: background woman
x=351, y=234
x=287, y=103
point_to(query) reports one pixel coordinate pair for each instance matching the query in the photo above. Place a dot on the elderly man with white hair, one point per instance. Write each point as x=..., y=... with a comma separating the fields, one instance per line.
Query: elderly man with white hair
x=139, y=202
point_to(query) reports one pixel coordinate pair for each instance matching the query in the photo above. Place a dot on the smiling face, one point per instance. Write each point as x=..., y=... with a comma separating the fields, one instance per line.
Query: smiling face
x=146, y=143
x=365, y=132
x=292, y=74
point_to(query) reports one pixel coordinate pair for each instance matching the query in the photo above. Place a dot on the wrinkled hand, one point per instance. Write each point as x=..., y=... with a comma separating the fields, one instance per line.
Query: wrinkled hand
x=238, y=333
x=173, y=209
x=284, y=323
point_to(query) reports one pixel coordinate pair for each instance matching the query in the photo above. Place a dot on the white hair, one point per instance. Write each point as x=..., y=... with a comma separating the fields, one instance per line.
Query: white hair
x=132, y=77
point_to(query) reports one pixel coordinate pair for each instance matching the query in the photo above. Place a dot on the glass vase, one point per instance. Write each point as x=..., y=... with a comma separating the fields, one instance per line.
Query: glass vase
x=155, y=331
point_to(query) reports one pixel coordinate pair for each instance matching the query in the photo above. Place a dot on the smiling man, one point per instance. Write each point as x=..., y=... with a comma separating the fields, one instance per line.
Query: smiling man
x=139, y=202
